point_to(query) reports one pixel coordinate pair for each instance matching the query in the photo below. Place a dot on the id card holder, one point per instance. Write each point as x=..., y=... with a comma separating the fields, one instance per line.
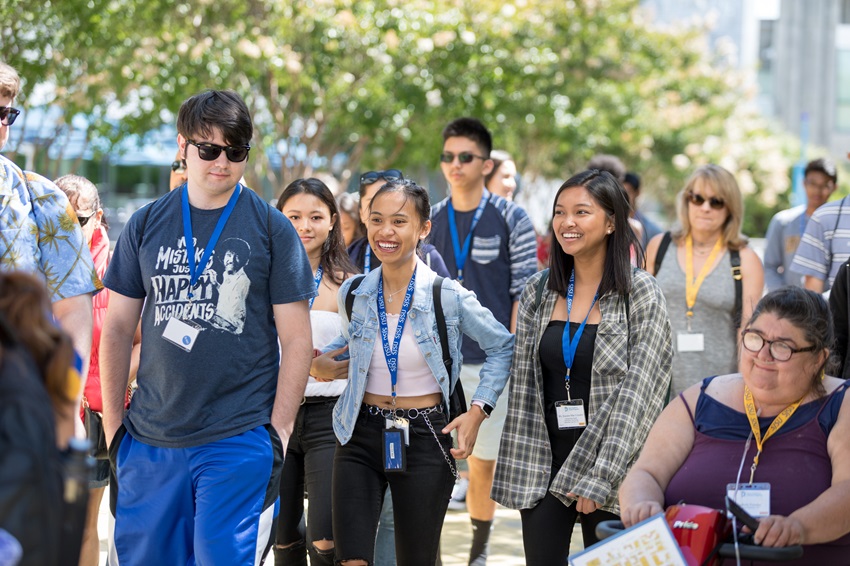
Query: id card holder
x=394, y=456
x=570, y=414
x=690, y=342
x=753, y=497
x=181, y=333
x=401, y=424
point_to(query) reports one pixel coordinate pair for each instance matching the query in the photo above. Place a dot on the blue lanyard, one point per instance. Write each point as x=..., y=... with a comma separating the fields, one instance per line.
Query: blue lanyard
x=367, y=261
x=570, y=346
x=195, y=271
x=462, y=254
x=391, y=353
x=318, y=280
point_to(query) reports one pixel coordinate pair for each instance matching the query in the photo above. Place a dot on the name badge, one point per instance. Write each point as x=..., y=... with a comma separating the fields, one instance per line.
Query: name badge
x=403, y=425
x=687, y=342
x=181, y=333
x=394, y=460
x=753, y=497
x=570, y=414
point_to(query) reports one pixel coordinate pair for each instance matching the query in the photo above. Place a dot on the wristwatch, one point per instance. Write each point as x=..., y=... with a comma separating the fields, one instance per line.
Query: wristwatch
x=485, y=408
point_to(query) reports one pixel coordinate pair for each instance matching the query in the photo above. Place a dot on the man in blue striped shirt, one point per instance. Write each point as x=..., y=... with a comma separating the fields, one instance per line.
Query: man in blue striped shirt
x=489, y=245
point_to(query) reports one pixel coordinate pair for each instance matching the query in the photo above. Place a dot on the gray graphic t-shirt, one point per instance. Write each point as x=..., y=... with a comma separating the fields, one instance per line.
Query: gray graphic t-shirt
x=225, y=383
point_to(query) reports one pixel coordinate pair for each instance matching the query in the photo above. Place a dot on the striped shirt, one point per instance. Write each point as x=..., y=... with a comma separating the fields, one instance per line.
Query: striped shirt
x=826, y=243
x=629, y=383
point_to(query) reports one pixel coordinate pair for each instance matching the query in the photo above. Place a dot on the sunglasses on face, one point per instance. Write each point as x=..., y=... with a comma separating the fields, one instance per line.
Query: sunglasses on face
x=211, y=151
x=390, y=175
x=85, y=219
x=177, y=166
x=698, y=200
x=464, y=157
x=8, y=115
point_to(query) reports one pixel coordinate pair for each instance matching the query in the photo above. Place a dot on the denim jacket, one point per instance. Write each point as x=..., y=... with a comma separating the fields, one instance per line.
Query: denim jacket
x=464, y=315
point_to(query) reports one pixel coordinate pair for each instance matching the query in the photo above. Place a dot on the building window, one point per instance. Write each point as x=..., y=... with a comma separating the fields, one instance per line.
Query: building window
x=843, y=90
x=844, y=16
x=766, y=53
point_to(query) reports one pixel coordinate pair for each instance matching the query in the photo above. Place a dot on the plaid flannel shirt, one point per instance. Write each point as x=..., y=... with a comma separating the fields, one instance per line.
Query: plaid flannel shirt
x=629, y=382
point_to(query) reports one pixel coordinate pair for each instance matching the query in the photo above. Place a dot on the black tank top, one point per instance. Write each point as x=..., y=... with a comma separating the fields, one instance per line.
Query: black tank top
x=554, y=390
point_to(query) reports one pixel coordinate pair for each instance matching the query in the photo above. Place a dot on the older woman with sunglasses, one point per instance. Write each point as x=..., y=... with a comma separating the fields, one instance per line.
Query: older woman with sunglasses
x=779, y=430
x=709, y=276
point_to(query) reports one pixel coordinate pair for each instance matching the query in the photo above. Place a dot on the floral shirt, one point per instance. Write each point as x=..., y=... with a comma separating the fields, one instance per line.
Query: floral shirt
x=39, y=233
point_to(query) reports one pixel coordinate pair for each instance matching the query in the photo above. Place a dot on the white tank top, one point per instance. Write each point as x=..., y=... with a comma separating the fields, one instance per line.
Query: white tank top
x=326, y=326
x=414, y=376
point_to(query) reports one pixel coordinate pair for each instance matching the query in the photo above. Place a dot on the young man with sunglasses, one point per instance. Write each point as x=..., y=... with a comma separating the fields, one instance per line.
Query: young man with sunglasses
x=40, y=235
x=489, y=245
x=197, y=458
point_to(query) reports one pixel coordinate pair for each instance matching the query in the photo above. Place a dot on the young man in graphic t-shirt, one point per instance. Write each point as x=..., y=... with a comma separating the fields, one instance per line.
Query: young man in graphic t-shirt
x=222, y=285
x=500, y=257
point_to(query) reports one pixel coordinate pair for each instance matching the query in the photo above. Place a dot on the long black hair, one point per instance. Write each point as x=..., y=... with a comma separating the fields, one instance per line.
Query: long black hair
x=611, y=196
x=334, y=261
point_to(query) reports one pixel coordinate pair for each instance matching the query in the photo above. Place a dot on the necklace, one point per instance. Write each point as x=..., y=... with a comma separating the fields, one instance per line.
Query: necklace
x=389, y=298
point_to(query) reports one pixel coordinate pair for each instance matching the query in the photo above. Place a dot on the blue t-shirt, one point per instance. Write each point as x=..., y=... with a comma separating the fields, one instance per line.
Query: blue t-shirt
x=226, y=384
x=502, y=256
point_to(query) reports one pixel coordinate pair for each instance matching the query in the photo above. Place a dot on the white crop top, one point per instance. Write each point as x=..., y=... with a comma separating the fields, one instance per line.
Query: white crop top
x=326, y=326
x=414, y=376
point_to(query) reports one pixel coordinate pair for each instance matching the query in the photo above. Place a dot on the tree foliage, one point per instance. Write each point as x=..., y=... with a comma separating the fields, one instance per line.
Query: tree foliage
x=351, y=84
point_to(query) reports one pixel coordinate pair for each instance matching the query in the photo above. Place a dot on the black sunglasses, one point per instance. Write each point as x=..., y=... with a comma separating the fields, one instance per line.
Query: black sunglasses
x=85, y=219
x=463, y=157
x=389, y=175
x=211, y=151
x=177, y=166
x=8, y=115
x=698, y=200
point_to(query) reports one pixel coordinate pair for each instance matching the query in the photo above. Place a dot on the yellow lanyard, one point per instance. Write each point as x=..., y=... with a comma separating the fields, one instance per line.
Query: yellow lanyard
x=692, y=285
x=778, y=422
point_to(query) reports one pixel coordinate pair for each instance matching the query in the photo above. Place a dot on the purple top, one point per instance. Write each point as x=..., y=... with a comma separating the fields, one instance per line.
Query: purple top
x=795, y=462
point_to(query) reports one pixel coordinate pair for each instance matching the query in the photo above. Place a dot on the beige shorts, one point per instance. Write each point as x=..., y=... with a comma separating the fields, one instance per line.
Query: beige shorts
x=490, y=433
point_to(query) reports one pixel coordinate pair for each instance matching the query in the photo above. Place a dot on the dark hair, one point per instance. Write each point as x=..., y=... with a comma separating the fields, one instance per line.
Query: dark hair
x=223, y=110
x=807, y=311
x=81, y=193
x=611, y=196
x=633, y=179
x=335, y=261
x=609, y=163
x=497, y=156
x=824, y=166
x=411, y=191
x=240, y=248
x=24, y=307
x=473, y=129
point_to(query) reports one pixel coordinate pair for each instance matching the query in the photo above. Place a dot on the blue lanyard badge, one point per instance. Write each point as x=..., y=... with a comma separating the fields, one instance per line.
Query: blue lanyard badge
x=391, y=353
x=367, y=260
x=318, y=281
x=462, y=254
x=570, y=346
x=195, y=271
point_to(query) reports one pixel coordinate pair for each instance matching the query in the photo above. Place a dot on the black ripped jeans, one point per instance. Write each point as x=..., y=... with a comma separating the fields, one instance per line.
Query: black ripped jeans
x=420, y=494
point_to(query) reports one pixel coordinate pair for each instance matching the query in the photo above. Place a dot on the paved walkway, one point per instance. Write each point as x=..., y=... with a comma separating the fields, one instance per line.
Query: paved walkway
x=505, y=542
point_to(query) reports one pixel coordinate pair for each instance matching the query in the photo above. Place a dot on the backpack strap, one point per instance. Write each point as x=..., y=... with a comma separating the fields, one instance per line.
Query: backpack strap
x=735, y=260
x=349, y=297
x=662, y=251
x=441, y=323
x=541, y=286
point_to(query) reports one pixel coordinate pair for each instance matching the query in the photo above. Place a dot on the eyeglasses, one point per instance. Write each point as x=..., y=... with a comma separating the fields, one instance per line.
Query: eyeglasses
x=85, y=219
x=828, y=186
x=464, y=157
x=779, y=351
x=389, y=175
x=698, y=200
x=8, y=115
x=211, y=151
x=177, y=166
